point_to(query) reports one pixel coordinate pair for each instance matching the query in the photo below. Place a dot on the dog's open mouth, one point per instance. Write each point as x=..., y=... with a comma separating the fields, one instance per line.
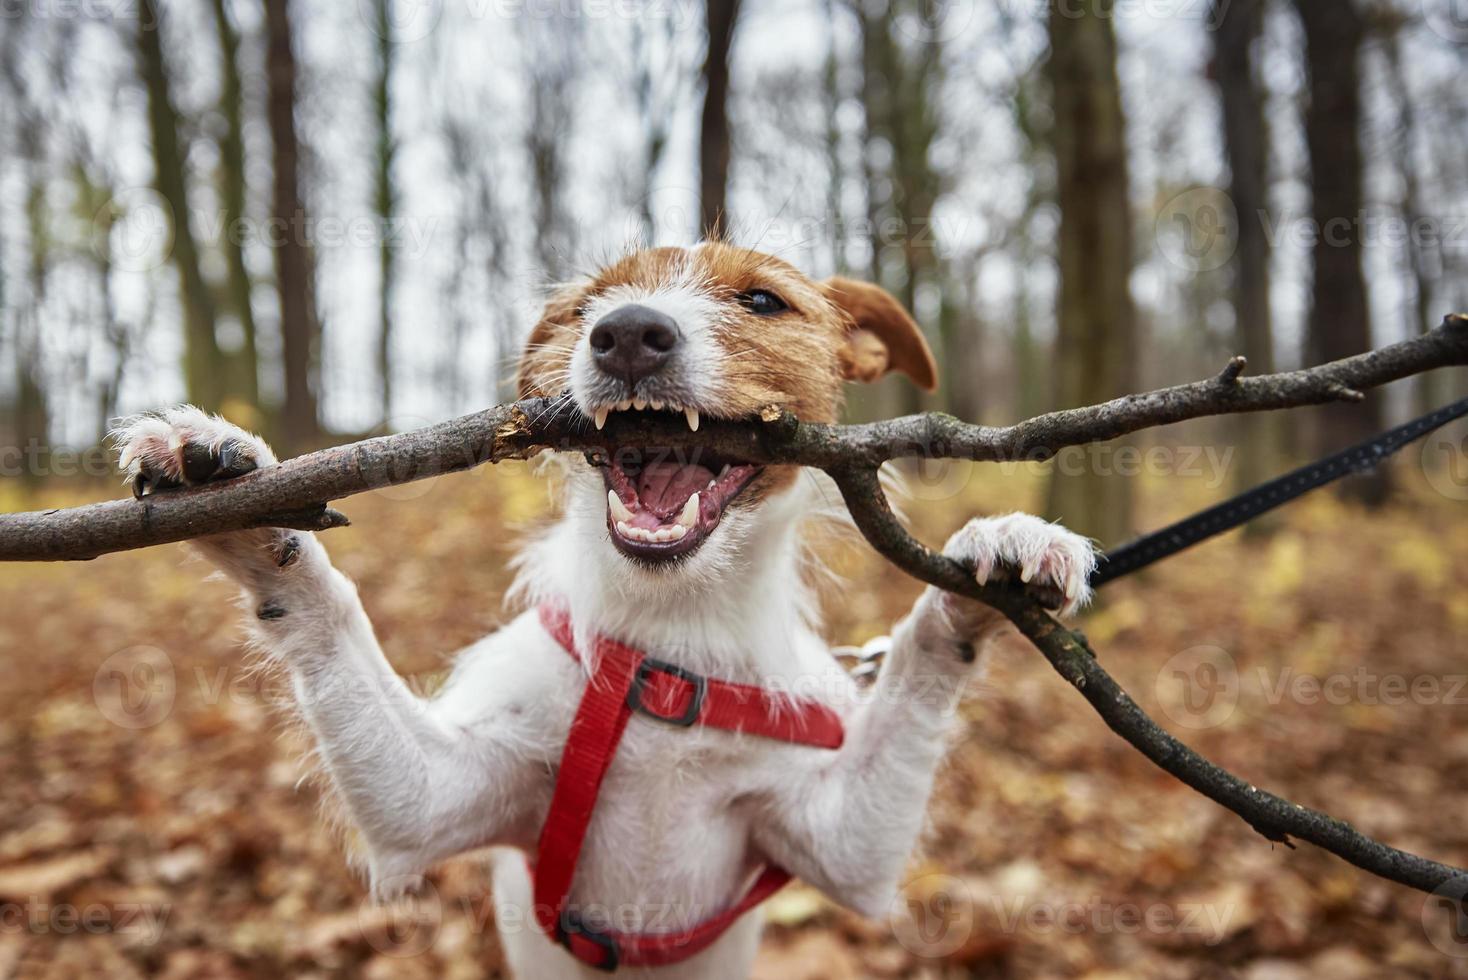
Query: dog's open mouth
x=663, y=503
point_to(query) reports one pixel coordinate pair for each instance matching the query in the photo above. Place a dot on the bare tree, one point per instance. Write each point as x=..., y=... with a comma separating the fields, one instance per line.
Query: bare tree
x=1339, y=315
x=384, y=194
x=244, y=378
x=1096, y=324
x=1422, y=255
x=713, y=135
x=204, y=369
x=1238, y=27
x=656, y=86
x=300, y=332
x=552, y=67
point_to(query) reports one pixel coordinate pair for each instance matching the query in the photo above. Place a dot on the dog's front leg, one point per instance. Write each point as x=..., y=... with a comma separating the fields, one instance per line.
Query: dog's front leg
x=850, y=825
x=419, y=788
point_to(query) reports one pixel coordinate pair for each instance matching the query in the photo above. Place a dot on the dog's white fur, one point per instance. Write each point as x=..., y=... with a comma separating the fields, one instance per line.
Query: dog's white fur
x=685, y=815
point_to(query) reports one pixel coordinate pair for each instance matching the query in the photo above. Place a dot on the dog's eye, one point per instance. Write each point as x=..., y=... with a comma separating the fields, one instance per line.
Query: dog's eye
x=762, y=302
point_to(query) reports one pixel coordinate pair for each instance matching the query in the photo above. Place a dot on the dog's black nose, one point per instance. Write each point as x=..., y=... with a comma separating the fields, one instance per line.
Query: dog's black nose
x=633, y=342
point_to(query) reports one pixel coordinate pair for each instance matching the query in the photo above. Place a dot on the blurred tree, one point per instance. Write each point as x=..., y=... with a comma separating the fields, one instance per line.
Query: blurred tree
x=1340, y=323
x=299, y=329
x=831, y=99
x=244, y=367
x=1239, y=25
x=1421, y=252
x=899, y=97
x=205, y=373
x=385, y=194
x=32, y=407
x=657, y=83
x=713, y=135
x=553, y=58
x=1096, y=322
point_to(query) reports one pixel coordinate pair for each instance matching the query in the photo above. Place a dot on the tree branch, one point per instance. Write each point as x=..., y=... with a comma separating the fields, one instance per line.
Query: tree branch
x=1070, y=654
x=293, y=493
x=298, y=488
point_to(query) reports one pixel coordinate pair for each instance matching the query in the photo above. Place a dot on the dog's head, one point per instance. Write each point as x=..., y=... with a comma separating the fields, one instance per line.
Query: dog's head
x=713, y=331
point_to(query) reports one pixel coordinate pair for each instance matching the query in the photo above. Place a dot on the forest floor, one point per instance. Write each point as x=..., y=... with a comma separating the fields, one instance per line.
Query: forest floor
x=154, y=820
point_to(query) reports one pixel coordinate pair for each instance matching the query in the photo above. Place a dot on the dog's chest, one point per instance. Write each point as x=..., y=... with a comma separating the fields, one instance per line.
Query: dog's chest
x=668, y=834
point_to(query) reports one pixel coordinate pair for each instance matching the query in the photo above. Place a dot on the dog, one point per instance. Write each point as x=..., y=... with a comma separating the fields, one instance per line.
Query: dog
x=694, y=562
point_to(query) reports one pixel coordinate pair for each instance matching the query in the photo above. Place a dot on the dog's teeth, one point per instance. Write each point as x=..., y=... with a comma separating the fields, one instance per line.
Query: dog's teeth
x=1028, y=572
x=600, y=417
x=691, y=414
x=711, y=485
x=724, y=472
x=619, y=510
x=639, y=403
x=655, y=406
x=624, y=406
x=676, y=532
x=689, y=517
x=624, y=529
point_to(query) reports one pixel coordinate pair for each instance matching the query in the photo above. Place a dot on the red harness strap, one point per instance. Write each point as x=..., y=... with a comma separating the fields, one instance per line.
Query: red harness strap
x=627, y=681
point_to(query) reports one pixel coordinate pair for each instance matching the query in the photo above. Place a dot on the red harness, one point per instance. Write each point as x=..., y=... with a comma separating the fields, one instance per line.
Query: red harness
x=626, y=682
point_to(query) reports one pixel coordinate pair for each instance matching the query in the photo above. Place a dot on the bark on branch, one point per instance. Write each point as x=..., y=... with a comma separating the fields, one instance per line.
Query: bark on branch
x=294, y=493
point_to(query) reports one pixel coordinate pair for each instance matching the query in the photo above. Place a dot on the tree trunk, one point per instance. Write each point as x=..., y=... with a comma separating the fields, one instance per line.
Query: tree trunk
x=1096, y=324
x=32, y=411
x=203, y=361
x=1239, y=24
x=1423, y=260
x=896, y=104
x=713, y=136
x=385, y=198
x=244, y=381
x=1339, y=315
x=553, y=57
x=293, y=273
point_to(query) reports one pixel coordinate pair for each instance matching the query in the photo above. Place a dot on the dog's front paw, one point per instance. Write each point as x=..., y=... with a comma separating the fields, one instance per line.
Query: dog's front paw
x=1055, y=563
x=184, y=447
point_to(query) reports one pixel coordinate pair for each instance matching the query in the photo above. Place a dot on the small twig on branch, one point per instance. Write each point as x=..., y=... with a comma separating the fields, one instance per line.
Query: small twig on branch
x=293, y=493
x=1233, y=370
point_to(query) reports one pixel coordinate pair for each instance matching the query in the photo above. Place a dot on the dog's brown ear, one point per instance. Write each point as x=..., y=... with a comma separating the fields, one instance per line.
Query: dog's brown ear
x=883, y=337
x=550, y=340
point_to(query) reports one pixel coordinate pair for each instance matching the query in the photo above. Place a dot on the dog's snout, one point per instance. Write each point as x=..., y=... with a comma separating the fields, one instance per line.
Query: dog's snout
x=633, y=342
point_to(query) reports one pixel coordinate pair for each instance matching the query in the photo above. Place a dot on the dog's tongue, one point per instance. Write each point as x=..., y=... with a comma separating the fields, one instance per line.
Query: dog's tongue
x=665, y=487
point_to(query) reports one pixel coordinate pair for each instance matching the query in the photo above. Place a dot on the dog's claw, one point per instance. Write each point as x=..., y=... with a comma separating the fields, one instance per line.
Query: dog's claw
x=199, y=462
x=234, y=461
x=290, y=549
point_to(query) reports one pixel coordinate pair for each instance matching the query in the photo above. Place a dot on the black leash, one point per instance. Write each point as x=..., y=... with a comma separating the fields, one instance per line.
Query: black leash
x=1154, y=547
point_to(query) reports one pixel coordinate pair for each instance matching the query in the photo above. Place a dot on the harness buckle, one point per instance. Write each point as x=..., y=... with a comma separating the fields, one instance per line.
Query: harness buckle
x=695, y=703
x=571, y=924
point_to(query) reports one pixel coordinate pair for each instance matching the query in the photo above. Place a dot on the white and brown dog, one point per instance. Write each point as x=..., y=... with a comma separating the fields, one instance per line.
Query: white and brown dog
x=695, y=561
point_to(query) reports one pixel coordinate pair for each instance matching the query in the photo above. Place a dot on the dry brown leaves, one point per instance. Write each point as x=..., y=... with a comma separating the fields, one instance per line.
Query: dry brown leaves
x=154, y=821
